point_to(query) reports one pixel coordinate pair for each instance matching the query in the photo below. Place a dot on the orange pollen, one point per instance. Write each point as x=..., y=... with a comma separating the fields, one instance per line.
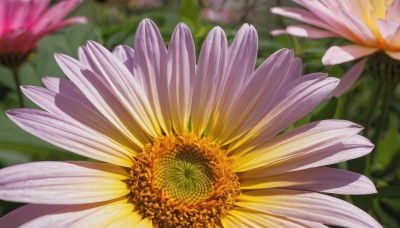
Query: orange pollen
x=183, y=181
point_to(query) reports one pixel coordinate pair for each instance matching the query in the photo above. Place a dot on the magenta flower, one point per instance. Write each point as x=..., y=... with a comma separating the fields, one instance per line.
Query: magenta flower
x=24, y=22
x=184, y=143
x=372, y=25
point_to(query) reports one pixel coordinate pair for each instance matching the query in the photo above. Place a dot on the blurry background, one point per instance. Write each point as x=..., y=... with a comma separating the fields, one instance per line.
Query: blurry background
x=114, y=22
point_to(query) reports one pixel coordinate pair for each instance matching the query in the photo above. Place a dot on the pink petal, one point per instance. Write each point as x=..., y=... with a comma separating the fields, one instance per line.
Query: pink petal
x=393, y=12
x=125, y=54
x=308, y=31
x=124, y=85
x=103, y=98
x=394, y=54
x=54, y=15
x=335, y=55
x=150, y=67
x=239, y=217
x=326, y=14
x=278, y=32
x=301, y=15
x=348, y=79
x=109, y=216
x=388, y=29
x=307, y=206
x=360, y=30
x=40, y=7
x=209, y=78
x=320, y=179
x=66, y=88
x=63, y=182
x=251, y=102
x=242, y=56
x=298, y=142
x=290, y=104
x=54, y=27
x=78, y=114
x=181, y=71
x=350, y=148
x=42, y=215
x=56, y=130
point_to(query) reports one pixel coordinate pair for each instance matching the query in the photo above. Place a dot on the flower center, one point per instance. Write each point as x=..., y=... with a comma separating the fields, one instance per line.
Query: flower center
x=183, y=181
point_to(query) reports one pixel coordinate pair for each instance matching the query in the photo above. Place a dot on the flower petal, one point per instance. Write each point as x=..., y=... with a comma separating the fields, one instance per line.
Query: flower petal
x=209, y=78
x=394, y=54
x=250, y=218
x=41, y=215
x=242, y=56
x=103, y=98
x=181, y=71
x=301, y=15
x=335, y=55
x=362, y=33
x=326, y=14
x=145, y=223
x=308, y=31
x=307, y=206
x=58, y=131
x=63, y=182
x=250, y=102
x=67, y=88
x=78, y=114
x=290, y=104
x=54, y=15
x=348, y=79
x=54, y=27
x=308, y=146
x=150, y=67
x=110, y=215
x=388, y=29
x=124, y=86
x=319, y=179
x=125, y=54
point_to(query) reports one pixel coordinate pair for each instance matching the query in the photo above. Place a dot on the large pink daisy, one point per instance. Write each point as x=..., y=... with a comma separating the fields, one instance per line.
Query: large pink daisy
x=24, y=22
x=185, y=144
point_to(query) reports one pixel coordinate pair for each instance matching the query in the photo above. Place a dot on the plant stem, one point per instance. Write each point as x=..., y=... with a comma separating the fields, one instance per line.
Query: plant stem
x=17, y=85
x=373, y=107
x=382, y=120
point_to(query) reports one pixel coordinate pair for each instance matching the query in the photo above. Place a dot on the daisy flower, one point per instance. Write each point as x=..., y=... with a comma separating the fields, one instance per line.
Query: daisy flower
x=24, y=22
x=372, y=26
x=185, y=144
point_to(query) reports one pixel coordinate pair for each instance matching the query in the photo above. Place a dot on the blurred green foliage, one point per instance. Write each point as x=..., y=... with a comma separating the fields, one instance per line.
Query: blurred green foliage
x=114, y=24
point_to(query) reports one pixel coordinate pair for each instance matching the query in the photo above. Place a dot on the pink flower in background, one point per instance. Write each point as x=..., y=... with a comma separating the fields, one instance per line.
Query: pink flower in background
x=138, y=4
x=226, y=12
x=185, y=143
x=372, y=25
x=24, y=22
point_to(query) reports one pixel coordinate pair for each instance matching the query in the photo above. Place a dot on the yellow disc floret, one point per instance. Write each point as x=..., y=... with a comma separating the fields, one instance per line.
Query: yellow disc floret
x=182, y=181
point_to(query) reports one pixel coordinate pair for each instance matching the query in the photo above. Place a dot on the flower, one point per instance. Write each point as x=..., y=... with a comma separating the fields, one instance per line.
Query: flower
x=138, y=4
x=24, y=22
x=371, y=25
x=226, y=12
x=185, y=144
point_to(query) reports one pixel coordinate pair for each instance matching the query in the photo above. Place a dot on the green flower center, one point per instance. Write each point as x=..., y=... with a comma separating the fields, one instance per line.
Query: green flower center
x=184, y=175
x=183, y=181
